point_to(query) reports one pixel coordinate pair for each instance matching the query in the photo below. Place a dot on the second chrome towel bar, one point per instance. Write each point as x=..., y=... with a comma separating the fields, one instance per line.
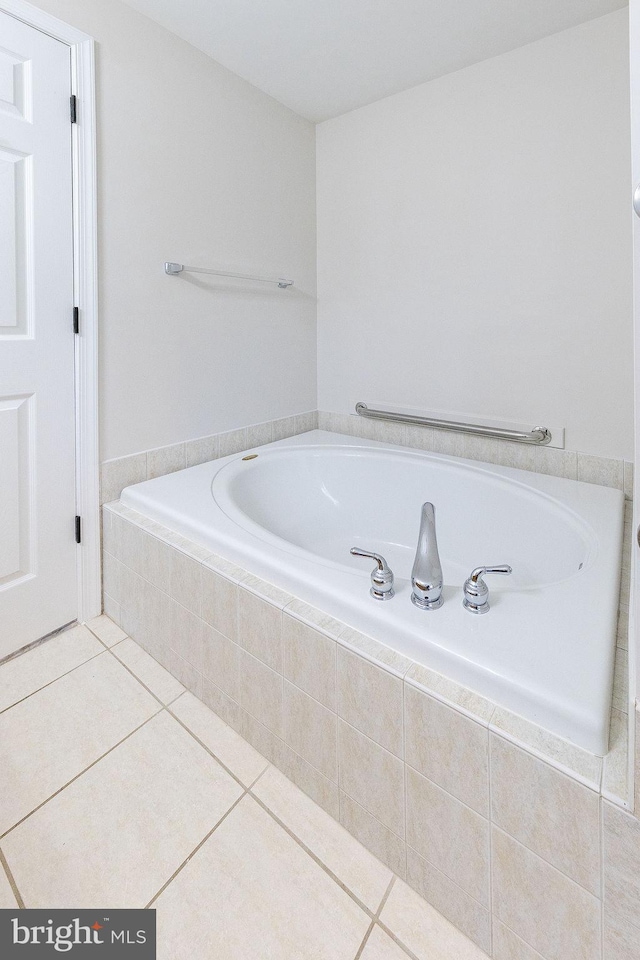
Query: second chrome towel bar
x=538, y=435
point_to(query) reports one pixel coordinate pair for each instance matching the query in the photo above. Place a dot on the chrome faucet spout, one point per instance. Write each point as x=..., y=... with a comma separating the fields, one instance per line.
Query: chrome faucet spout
x=426, y=576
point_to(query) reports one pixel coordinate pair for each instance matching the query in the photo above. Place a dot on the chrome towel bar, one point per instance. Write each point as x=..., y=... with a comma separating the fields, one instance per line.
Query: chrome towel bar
x=172, y=269
x=538, y=435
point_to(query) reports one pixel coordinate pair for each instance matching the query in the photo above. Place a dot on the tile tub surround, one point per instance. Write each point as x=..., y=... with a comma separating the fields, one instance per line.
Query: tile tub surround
x=234, y=858
x=571, y=464
x=117, y=474
x=474, y=807
x=122, y=471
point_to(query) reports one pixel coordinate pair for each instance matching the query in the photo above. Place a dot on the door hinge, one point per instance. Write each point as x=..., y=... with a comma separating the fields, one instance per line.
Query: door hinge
x=78, y=530
x=73, y=108
x=76, y=320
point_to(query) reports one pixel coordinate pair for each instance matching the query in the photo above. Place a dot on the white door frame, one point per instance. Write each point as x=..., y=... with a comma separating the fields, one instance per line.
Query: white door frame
x=85, y=288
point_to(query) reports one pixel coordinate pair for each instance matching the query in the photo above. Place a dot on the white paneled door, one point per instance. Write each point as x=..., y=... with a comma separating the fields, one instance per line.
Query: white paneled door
x=38, y=584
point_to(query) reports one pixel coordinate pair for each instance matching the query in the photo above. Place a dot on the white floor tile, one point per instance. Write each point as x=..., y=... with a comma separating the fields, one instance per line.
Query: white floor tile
x=147, y=670
x=358, y=869
x=50, y=737
x=116, y=834
x=231, y=749
x=252, y=892
x=423, y=930
x=32, y=670
x=106, y=630
x=7, y=898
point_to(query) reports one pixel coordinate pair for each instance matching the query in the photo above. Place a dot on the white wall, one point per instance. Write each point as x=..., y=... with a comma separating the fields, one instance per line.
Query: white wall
x=474, y=243
x=198, y=166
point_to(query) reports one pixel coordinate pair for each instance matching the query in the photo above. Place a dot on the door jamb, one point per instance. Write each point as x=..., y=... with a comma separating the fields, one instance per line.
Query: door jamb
x=85, y=289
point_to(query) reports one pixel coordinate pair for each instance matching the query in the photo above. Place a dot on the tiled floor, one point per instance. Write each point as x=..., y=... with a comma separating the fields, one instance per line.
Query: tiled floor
x=121, y=789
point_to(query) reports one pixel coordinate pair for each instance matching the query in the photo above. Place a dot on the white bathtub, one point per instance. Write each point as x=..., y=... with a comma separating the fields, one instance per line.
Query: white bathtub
x=546, y=648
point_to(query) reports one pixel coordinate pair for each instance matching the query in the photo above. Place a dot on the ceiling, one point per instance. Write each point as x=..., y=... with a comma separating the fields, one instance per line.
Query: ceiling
x=322, y=58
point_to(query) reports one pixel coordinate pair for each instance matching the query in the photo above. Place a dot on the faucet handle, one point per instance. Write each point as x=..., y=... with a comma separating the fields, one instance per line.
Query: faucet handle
x=381, y=575
x=476, y=592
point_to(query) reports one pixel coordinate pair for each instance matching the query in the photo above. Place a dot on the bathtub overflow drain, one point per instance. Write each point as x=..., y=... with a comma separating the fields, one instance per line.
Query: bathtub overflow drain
x=251, y=456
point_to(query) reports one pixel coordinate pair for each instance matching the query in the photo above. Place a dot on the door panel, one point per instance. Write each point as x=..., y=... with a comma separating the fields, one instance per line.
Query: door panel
x=38, y=586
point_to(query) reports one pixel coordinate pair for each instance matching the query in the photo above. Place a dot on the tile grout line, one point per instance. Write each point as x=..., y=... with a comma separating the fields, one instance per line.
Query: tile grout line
x=245, y=792
x=195, y=849
x=12, y=882
x=78, y=775
x=55, y=679
x=384, y=899
x=311, y=854
x=208, y=749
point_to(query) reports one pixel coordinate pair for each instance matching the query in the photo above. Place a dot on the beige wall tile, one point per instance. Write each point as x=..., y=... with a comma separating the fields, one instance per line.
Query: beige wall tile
x=186, y=634
x=507, y=946
x=304, y=422
x=450, y=835
x=556, y=463
x=615, y=774
x=297, y=911
x=186, y=673
x=157, y=562
x=115, y=475
x=221, y=662
x=421, y=928
x=220, y=602
x=310, y=660
x=223, y=706
x=469, y=916
x=371, y=649
x=548, y=812
x=547, y=746
x=201, y=450
x=29, y=672
x=158, y=680
x=601, y=470
x=637, y=762
x=464, y=700
x=186, y=581
x=358, y=870
x=259, y=434
x=260, y=629
x=309, y=779
x=315, y=618
x=311, y=730
x=544, y=908
x=370, y=699
x=621, y=864
x=260, y=692
x=373, y=835
x=448, y=748
x=154, y=777
x=164, y=460
x=621, y=681
x=224, y=743
x=273, y=748
x=283, y=428
x=112, y=577
x=233, y=441
x=372, y=776
x=40, y=749
x=111, y=607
